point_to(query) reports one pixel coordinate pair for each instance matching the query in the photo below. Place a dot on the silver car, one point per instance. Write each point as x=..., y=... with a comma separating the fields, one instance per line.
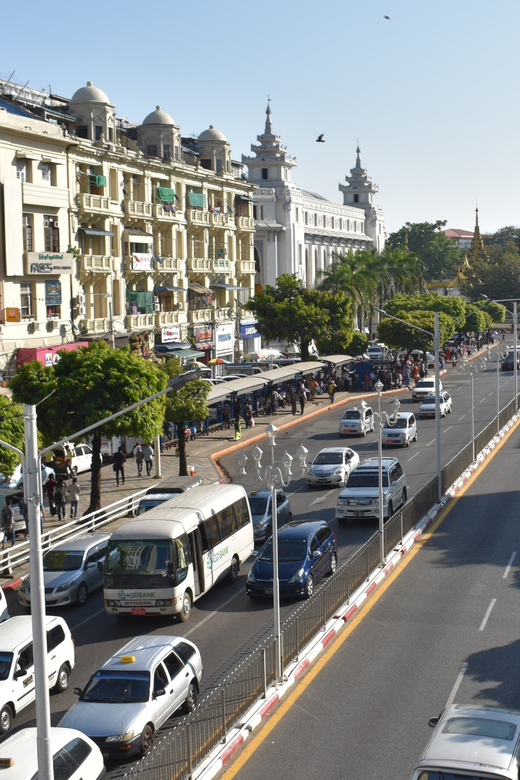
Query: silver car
x=332, y=466
x=71, y=571
x=133, y=693
x=262, y=514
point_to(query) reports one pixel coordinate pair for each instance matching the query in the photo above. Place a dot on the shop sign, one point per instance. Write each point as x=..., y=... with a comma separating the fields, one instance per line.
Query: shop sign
x=248, y=331
x=142, y=262
x=170, y=334
x=12, y=315
x=203, y=334
x=50, y=359
x=44, y=263
x=53, y=293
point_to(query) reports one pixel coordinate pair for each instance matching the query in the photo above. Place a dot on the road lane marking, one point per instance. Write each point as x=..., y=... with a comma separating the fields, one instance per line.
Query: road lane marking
x=430, y=443
x=413, y=456
x=460, y=677
x=488, y=613
x=320, y=499
x=447, y=429
x=508, y=567
x=461, y=418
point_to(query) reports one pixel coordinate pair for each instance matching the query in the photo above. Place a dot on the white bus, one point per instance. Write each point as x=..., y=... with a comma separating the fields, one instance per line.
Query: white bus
x=162, y=562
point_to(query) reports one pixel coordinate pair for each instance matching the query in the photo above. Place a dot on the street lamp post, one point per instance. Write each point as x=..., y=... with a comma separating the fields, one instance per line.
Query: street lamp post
x=514, y=301
x=382, y=416
x=32, y=490
x=499, y=356
x=472, y=369
x=274, y=478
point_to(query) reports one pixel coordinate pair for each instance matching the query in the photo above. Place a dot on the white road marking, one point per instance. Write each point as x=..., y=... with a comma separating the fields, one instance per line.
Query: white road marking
x=447, y=428
x=508, y=567
x=458, y=681
x=320, y=499
x=488, y=613
x=483, y=399
x=413, y=456
x=461, y=418
x=430, y=443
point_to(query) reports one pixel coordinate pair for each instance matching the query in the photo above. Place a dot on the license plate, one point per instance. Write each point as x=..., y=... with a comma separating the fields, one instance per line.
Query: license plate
x=268, y=591
x=140, y=611
x=322, y=479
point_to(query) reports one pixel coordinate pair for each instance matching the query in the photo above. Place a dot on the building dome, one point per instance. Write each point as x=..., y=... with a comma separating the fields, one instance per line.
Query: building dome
x=89, y=94
x=211, y=135
x=158, y=117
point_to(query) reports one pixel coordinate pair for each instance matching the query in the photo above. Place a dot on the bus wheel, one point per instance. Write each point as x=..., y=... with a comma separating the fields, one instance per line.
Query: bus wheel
x=186, y=607
x=233, y=571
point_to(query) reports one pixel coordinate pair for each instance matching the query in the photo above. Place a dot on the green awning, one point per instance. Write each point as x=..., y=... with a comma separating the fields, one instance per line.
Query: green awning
x=98, y=181
x=165, y=194
x=196, y=200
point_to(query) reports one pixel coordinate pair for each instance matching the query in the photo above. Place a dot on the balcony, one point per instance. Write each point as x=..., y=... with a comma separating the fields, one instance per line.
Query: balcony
x=138, y=209
x=162, y=215
x=169, y=264
x=225, y=314
x=200, y=265
x=219, y=219
x=146, y=267
x=245, y=267
x=165, y=318
x=198, y=316
x=95, y=204
x=140, y=321
x=245, y=223
x=98, y=264
x=221, y=266
x=95, y=326
x=198, y=217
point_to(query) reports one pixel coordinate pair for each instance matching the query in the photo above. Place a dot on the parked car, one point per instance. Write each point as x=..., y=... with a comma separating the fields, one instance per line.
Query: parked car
x=15, y=482
x=358, y=421
x=16, y=497
x=71, y=459
x=427, y=407
x=508, y=362
x=360, y=497
x=400, y=430
x=424, y=387
x=74, y=756
x=71, y=571
x=331, y=466
x=134, y=692
x=307, y=551
x=261, y=511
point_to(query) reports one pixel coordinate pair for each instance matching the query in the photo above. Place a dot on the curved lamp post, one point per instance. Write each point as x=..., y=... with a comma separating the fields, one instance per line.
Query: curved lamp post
x=274, y=477
x=472, y=369
x=381, y=418
x=499, y=356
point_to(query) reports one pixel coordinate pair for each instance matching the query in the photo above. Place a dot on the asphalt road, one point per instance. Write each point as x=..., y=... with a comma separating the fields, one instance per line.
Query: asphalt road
x=225, y=624
x=444, y=628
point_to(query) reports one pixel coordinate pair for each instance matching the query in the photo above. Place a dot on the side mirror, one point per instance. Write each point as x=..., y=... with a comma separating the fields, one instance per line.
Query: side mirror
x=159, y=692
x=20, y=673
x=433, y=721
x=77, y=691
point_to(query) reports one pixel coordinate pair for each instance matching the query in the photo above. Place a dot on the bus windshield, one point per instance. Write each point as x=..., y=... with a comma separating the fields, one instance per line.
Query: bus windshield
x=143, y=562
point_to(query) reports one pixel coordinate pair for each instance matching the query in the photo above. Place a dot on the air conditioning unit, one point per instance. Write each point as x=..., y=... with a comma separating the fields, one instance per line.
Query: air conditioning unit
x=81, y=310
x=157, y=307
x=55, y=223
x=51, y=325
x=180, y=306
x=81, y=299
x=36, y=326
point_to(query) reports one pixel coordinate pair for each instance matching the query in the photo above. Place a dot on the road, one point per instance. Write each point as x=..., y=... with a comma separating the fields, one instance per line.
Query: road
x=225, y=624
x=443, y=628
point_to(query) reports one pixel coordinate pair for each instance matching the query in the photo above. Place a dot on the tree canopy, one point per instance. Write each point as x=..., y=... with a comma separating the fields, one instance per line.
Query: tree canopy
x=494, y=273
x=402, y=335
x=438, y=254
x=11, y=431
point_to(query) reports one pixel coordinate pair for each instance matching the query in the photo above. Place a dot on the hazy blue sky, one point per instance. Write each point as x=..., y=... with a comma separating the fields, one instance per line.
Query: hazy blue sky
x=431, y=93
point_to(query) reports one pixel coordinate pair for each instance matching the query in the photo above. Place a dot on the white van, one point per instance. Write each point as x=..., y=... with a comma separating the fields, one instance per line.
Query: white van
x=17, y=683
x=470, y=741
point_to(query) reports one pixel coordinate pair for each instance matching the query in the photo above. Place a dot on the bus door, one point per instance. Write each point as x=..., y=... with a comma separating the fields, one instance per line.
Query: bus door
x=195, y=543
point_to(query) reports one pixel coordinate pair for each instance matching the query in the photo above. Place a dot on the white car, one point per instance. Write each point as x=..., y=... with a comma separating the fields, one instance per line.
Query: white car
x=423, y=388
x=359, y=420
x=74, y=756
x=15, y=482
x=80, y=459
x=427, y=408
x=332, y=466
x=133, y=693
x=400, y=430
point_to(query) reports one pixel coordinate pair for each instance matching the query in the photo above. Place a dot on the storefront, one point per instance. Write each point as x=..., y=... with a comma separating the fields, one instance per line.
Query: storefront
x=250, y=339
x=225, y=341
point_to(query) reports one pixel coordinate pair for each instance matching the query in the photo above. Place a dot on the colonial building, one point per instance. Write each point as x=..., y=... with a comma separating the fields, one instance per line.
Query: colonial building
x=298, y=232
x=115, y=230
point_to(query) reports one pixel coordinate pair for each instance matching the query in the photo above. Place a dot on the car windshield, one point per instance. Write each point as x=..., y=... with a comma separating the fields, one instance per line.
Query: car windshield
x=323, y=458
x=400, y=423
x=6, y=659
x=288, y=550
x=117, y=687
x=430, y=399
x=258, y=504
x=351, y=414
x=366, y=480
x=62, y=560
x=424, y=385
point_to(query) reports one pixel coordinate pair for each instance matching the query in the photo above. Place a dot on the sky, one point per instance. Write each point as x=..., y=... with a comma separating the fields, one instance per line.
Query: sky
x=430, y=94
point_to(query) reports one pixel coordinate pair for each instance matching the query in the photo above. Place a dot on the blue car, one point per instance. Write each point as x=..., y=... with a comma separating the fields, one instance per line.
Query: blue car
x=307, y=551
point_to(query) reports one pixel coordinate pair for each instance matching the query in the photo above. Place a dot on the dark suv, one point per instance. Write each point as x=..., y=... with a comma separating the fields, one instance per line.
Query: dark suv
x=306, y=553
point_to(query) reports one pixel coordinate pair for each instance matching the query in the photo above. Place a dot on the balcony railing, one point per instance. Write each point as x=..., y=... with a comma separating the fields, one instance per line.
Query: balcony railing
x=137, y=208
x=245, y=223
x=139, y=321
x=169, y=264
x=96, y=263
x=221, y=266
x=199, y=264
x=246, y=267
x=198, y=217
x=165, y=318
x=176, y=215
x=196, y=316
x=219, y=219
x=94, y=203
x=98, y=325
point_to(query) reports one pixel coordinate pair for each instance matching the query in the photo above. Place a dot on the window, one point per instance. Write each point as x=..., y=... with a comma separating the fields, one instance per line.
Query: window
x=356, y=198
x=98, y=132
x=21, y=170
x=242, y=513
x=173, y=665
x=227, y=522
x=82, y=131
x=151, y=150
x=265, y=173
x=313, y=546
x=210, y=534
x=54, y=312
x=323, y=535
x=184, y=651
x=51, y=234
x=26, y=308
x=219, y=166
x=27, y=232
x=167, y=152
x=47, y=174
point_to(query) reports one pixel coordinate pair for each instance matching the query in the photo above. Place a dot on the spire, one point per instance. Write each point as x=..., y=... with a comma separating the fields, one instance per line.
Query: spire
x=268, y=125
x=477, y=243
x=358, y=157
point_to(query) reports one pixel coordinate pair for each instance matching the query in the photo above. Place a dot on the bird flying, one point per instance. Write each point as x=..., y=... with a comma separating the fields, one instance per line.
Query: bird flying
x=320, y=139
x=386, y=17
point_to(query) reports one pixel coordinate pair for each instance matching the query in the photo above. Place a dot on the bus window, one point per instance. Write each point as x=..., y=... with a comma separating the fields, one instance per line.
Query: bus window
x=226, y=522
x=183, y=558
x=242, y=513
x=209, y=532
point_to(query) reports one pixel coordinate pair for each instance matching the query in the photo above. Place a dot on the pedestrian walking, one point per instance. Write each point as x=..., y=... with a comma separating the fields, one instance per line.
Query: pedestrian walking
x=74, y=491
x=237, y=424
x=302, y=399
x=7, y=521
x=332, y=390
x=248, y=414
x=119, y=465
x=49, y=490
x=148, y=458
x=60, y=499
x=138, y=456
x=294, y=400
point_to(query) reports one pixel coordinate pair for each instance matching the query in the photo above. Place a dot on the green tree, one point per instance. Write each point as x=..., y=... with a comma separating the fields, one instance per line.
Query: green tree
x=495, y=274
x=426, y=240
x=451, y=305
x=184, y=405
x=90, y=384
x=11, y=431
x=504, y=236
x=401, y=335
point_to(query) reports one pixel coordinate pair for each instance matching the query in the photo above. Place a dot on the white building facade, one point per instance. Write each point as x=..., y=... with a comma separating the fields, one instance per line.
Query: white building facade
x=299, y=232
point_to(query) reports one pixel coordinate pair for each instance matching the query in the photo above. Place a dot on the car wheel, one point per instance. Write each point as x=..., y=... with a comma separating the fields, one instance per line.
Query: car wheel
x=390, y=510
x=233, y=572
x=268, y=532
x=63, y=679
x=146, y=740
x=415, y=437
x=404, y=496
x=6, y=719
x=185, y=612
x=363, y=432
x=82, y=595
x=74, y=471
x=191, y=698
x=333, y=564
x=289, y=517
x=309, y=587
